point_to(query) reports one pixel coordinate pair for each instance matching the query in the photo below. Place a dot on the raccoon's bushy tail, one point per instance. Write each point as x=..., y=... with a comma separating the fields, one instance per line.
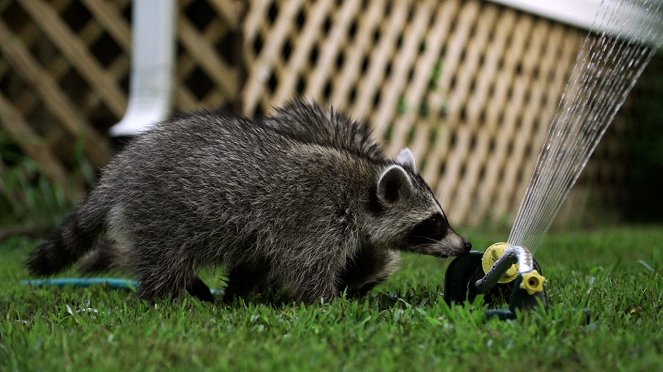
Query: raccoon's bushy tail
x=77, y=235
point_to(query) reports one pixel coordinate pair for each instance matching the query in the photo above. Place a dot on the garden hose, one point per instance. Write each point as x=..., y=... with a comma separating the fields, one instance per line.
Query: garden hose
x=114, y=283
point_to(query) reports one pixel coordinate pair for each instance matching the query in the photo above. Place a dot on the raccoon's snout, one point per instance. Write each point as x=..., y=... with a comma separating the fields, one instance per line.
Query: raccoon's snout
x=449, y=244
x=435, y=237
x=453, y=245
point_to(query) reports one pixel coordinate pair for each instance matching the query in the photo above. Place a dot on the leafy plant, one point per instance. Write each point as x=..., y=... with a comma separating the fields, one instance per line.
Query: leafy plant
x=29, y=200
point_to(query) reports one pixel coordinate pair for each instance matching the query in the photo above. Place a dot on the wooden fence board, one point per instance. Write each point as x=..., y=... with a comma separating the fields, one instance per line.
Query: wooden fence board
x=112, y=21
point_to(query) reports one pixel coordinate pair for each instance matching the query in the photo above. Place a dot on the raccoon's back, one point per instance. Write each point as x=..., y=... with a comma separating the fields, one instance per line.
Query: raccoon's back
x=224, y=173
x=308, y=122
x=200, y=157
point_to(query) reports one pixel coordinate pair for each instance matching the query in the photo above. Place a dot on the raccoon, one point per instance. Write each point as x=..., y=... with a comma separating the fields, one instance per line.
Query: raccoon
x=309, y=123
x=279, y=211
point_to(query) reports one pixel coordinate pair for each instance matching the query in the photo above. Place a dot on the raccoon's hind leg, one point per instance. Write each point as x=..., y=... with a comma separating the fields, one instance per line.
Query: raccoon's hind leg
x=313, y=274
x=110, y=255
x=159, y=280
x=163, y=268
x=368, y=268
x=107, y=255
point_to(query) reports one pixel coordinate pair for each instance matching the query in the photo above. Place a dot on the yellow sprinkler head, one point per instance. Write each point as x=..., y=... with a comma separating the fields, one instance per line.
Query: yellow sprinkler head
x=491, y=255
x=532, y=282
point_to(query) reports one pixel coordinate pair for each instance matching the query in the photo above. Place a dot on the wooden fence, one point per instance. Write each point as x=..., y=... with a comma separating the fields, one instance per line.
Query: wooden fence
x=469, y=86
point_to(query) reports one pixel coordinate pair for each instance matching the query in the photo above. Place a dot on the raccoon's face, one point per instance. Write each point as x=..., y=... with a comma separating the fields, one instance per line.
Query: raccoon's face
x=407, y=216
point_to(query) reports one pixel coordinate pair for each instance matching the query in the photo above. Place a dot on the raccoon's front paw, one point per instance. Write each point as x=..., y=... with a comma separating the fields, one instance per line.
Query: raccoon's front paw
x=198, y=289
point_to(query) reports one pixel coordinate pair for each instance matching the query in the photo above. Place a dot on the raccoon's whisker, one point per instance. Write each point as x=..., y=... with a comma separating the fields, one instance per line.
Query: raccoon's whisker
x=431, y=240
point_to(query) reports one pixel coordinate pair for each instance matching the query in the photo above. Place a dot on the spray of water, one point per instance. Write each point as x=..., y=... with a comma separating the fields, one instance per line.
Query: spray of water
x=625, y=35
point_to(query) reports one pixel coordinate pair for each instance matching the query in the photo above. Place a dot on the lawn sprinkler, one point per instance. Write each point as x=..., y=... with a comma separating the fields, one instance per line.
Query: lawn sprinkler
x=502, y=273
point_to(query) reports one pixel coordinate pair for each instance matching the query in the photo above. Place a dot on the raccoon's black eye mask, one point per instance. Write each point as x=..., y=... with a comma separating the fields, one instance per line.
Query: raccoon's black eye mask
x=434, y=228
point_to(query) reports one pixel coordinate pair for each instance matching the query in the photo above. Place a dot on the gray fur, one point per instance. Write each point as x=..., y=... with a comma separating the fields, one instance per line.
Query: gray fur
x=297, y=212
x=107, y=255
x=309, y=123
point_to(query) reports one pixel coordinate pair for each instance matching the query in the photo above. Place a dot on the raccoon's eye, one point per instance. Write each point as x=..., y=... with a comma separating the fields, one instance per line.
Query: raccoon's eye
x=431, y=229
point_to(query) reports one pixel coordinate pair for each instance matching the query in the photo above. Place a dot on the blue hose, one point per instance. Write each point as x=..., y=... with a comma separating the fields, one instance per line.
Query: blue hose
x=83, y=282
x=114, y=283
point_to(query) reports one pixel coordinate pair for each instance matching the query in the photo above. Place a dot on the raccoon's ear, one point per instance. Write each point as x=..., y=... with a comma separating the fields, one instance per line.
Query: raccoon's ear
x=393, y=185
x=406, y=159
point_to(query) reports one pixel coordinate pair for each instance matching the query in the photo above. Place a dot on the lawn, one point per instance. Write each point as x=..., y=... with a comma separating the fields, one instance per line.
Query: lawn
x=402, y=325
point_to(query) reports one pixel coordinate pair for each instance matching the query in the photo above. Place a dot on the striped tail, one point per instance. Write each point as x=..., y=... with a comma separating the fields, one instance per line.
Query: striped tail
x=76, y=236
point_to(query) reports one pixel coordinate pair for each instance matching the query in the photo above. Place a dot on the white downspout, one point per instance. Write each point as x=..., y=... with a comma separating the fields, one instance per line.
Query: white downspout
x=152, y=67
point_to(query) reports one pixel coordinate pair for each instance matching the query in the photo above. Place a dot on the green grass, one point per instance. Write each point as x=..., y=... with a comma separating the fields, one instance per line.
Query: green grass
x=402, y=325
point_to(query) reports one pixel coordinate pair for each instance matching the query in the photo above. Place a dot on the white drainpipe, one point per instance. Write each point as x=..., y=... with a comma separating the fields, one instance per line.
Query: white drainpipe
x=152, y=67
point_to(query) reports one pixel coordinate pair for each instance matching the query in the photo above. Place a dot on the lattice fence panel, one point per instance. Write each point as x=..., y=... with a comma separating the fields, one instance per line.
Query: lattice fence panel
x=65, y=65
x=208, y=61
x=49, y=75
x=469, y=86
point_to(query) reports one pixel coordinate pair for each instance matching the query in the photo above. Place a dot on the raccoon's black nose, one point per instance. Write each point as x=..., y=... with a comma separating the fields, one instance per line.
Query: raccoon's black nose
x=468, y=245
